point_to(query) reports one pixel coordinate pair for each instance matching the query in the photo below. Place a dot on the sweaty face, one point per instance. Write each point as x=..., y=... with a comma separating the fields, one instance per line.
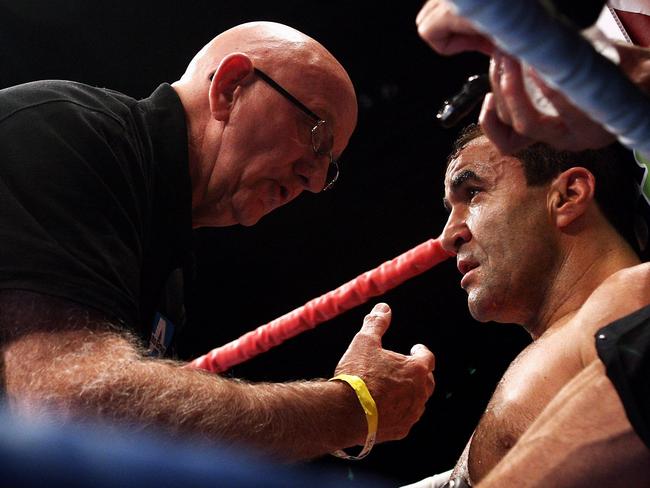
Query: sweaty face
x=500, y=229
x=267, y=158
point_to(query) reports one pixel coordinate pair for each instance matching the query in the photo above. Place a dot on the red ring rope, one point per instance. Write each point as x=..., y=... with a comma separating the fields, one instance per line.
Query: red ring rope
x=355, y=292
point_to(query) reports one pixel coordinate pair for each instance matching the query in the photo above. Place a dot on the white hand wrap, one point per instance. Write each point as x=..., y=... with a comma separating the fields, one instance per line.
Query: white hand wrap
x=435, y=481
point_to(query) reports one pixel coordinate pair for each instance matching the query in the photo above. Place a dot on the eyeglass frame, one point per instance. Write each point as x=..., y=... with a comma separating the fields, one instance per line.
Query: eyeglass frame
x=333, y=164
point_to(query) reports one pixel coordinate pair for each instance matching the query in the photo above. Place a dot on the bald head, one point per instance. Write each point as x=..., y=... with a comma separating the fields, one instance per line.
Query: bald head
x=295, y=60
x=250, y=145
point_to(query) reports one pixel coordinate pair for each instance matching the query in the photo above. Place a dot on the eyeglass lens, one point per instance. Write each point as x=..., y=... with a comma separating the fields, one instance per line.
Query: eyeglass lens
x=322, y=141
x=322, y=138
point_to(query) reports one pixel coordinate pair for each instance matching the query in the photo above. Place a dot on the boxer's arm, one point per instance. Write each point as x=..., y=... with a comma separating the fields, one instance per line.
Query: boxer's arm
x=581, y=439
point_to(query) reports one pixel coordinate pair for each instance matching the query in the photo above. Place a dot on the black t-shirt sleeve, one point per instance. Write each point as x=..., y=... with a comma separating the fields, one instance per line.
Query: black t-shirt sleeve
x=72, y=187
x=624, y=348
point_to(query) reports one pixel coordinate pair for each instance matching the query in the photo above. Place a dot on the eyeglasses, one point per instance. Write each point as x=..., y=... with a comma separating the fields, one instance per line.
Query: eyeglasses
x=322, y=139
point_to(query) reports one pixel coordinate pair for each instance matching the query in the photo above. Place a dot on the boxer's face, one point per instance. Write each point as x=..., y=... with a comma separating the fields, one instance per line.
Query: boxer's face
x=499, y=228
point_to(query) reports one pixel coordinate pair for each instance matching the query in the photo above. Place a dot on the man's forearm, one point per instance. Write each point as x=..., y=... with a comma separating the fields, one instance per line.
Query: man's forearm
x=86, y=373
x=61, y=357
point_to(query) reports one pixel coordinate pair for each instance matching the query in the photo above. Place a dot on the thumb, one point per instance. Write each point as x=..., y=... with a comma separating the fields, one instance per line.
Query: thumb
x=422, y=353
x=377, y=321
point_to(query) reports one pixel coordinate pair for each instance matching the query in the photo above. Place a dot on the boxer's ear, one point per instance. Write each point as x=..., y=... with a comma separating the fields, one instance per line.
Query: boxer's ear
x=230, y=74
x=570, y=195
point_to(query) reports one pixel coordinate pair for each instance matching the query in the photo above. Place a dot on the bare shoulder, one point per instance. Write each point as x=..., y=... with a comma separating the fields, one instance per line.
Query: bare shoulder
x=619, y=295
x=622, y=293
x=637, y=276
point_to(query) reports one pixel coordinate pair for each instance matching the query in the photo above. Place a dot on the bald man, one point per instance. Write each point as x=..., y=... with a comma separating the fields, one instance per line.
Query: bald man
x=99, y=194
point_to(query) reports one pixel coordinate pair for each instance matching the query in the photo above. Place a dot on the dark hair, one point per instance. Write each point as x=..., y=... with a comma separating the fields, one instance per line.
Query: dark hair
x=616, y=192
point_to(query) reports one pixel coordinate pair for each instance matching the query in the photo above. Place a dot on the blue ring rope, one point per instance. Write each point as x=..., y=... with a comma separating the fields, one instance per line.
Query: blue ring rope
x=566, y=61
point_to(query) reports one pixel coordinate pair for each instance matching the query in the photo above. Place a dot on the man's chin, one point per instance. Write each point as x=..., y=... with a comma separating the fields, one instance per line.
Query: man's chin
x=249, y=222
x=250, y=218
x=480, y=317
x=478, y=310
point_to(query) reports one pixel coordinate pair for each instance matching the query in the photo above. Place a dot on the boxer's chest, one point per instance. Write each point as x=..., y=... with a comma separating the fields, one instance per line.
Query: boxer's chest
x=528, y=385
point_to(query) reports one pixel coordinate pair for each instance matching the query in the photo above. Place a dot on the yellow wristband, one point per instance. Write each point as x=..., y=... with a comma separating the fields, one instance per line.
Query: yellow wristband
x=369, y=408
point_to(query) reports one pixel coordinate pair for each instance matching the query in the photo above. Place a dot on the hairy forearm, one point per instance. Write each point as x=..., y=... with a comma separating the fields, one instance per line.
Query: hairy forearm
x=83, y=373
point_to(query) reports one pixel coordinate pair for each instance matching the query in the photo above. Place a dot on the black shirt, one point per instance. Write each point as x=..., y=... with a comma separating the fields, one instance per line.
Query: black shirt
x=624, y=347
x=95, y=196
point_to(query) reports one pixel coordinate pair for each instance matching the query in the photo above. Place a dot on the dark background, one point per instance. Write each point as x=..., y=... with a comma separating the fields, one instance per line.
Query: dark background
x=388, y=200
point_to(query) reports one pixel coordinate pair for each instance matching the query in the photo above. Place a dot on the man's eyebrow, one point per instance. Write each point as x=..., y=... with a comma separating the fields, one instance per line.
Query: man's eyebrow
x=463, y=176
x=457, y=181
